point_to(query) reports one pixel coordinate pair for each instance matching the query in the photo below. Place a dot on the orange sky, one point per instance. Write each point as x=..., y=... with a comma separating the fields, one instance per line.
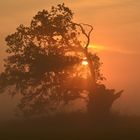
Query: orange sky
x=116, y=29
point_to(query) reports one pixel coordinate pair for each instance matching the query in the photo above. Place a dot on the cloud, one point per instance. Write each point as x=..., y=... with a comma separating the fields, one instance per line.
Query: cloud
x=102, y=48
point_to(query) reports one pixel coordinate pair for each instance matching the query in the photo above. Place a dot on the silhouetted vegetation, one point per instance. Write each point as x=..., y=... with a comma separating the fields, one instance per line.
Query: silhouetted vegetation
x=44, y=66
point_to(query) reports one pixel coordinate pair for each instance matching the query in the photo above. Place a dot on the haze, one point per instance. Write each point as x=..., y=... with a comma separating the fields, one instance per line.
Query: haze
x=116, y=28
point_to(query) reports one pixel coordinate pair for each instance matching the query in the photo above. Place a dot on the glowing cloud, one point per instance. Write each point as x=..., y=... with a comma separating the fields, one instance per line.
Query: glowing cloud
x=101, y=48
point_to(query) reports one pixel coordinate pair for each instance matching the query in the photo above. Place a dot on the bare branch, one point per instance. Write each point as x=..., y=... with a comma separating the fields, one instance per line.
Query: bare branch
x=84, y=32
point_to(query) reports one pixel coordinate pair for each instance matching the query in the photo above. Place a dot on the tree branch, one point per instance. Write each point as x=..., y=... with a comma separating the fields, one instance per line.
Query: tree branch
x=90, y=63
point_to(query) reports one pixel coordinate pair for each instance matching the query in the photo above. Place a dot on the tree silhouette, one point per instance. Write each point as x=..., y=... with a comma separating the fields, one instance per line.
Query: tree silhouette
x=100, y=98
x=44, y=65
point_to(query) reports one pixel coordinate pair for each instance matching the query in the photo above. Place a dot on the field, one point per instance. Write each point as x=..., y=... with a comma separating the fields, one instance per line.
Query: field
x=72, y=127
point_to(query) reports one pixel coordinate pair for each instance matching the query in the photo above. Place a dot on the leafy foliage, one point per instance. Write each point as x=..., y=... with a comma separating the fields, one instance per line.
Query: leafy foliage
x=43, y=58
x=44, y=65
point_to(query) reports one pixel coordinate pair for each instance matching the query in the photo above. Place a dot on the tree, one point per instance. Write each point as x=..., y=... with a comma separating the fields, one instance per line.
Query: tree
x=100, y=98
x=45, y=59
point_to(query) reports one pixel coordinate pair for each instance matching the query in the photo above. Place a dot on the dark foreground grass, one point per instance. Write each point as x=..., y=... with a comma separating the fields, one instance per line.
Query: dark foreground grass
x=72, y=127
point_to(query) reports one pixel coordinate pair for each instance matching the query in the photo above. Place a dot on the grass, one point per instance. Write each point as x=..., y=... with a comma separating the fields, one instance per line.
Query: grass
x=72, y=127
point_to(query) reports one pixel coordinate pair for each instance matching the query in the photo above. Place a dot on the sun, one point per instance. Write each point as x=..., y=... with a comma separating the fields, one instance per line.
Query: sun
x=85, y=62
x=94, y=49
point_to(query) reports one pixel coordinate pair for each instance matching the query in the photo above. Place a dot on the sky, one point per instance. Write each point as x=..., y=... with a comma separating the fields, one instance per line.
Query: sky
x=116, y=36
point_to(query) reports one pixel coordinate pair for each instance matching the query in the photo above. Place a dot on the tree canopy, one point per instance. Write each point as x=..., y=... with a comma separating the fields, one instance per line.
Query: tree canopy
x=44, y=62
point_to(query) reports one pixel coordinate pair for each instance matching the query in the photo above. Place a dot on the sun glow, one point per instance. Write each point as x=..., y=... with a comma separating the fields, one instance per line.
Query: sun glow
x=84, y=62
x=101, y=48
x=96, y=48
